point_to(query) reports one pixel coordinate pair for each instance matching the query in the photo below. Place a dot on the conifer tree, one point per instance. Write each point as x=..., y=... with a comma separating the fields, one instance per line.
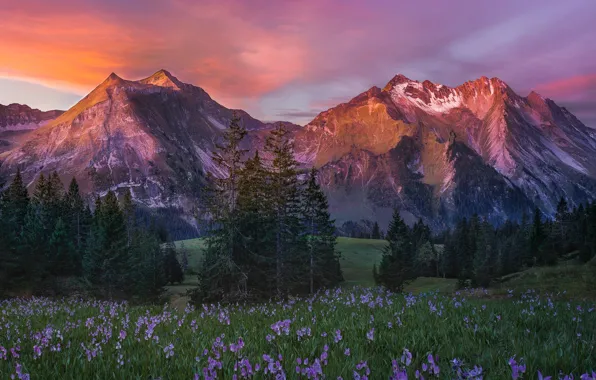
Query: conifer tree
x=376, y=232
x=220, y=274
x=396, y=268
x=62, y=256
x=537, y=236
x=146, y=263
x=15, y=201
x=77, y=220
x=15, y=260
x=561, y=227
x=324, y=268
x=284, y=197
x=183, y=256
x=255, y=217
x=484, y=255
x=106, y=258
x=128, y=211
x=173, y=269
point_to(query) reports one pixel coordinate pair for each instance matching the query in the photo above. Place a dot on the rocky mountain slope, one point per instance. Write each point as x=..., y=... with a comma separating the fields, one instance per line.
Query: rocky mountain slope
x=20, y=117
x=154, y=136
x=17, y=120
x=436, y=152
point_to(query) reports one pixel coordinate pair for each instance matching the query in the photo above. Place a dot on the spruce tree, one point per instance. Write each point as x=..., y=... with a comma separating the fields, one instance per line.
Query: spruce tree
x=220, y=274
x=173, y=269
x=77, y=220
x=106, y=259
x=376, y=232
x=146, y=264
x=588, y=249
x=484, y=257
x=15, y=201
x=255, y=217
x=537, y=236
x=183, y=252
x=62, y=255
x=288, y=235
x=561, y=227
x=324, y=267
x=16, y=261
x=128, y=211
x=396, y=268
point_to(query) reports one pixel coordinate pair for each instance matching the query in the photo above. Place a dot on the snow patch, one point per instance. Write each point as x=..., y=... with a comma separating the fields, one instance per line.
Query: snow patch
x=437, y=105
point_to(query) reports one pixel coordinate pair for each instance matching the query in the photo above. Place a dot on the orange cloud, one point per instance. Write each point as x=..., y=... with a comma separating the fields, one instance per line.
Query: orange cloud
x=222, y=52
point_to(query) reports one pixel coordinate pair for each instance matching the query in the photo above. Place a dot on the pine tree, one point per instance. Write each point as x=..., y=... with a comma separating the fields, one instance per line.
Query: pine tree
x=396, y=268
x=106, y=259
x=77, y=221
x=465, y=247
x=255, y=216
x=588, y=249
x=376, y=232
x=289, y=236
x=561, y=227
x=62, y=260
x=129, y=215
x=174, y=273
x=324, y=268
x=220, y=274
x=537, y=236
x=146, y=263
x=15, y=201
x=16, y=261
x=183, y=256
x=484, y=257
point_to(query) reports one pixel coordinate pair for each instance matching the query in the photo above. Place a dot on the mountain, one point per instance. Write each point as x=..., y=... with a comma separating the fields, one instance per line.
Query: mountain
x=440, y=153
x=20, y=117
x=154, y=136
x=436, y=152
x=16, y=120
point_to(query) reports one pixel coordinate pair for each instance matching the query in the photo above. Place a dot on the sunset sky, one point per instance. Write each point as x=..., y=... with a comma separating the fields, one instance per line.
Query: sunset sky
x=289, y=60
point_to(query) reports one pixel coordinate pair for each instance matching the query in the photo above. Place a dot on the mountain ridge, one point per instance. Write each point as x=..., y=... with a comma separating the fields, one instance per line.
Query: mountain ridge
x=409, y=144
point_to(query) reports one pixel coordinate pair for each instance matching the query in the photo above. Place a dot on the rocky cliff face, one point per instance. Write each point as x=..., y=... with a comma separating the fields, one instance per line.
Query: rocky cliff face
x=22, y=117
x=436, y=152
x=154, y=136
x=17, y=120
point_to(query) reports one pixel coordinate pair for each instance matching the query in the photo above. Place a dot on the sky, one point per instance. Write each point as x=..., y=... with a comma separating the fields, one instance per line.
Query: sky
x=291, y=59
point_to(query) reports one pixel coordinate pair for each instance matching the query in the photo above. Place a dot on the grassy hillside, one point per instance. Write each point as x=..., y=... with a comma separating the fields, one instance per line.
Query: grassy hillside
x=568, y=278
x=359, y=256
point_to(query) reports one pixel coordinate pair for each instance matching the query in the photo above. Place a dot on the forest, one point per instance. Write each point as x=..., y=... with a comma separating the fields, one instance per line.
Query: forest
x=269, y=235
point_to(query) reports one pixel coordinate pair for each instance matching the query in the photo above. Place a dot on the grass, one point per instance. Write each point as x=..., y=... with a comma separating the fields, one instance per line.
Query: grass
x=357, y=257
x=569, y=277
x=76, y=339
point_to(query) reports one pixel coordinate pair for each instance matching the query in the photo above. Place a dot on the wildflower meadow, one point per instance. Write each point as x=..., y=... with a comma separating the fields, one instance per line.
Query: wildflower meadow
x=359, y=333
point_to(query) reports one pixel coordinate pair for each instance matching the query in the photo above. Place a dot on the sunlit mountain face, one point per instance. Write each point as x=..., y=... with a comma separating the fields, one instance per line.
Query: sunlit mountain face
x=436, y=152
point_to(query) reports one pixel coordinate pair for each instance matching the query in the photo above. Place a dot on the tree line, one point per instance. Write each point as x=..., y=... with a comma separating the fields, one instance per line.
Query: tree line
x=52, y=242
x=477, y=253
x=270, y=232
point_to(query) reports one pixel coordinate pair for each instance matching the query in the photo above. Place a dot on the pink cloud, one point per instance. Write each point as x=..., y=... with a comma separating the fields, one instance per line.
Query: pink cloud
x=246, y=52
